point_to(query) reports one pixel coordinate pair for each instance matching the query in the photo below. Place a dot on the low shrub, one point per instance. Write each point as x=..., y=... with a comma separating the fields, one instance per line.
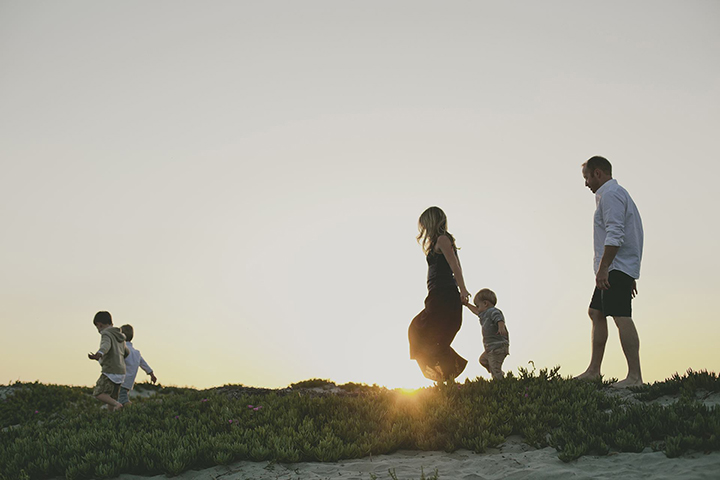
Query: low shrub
x=182, y=428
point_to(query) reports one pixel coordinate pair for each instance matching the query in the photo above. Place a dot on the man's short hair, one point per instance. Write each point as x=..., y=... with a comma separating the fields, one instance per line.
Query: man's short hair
x=128, y=331
x=485, y=294
x=102, y=318
x=598, y=163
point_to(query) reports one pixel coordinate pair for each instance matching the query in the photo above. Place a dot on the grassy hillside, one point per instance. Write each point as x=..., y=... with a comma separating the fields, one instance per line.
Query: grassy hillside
x=52, y=430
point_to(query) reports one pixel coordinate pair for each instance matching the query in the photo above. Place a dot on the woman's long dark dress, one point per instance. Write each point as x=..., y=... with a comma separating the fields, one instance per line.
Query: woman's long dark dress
x=432, y=331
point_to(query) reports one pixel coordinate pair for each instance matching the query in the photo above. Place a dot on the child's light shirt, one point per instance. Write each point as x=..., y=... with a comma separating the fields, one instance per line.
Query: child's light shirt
x=115, y=377
x=132, y=362
x=491, y=338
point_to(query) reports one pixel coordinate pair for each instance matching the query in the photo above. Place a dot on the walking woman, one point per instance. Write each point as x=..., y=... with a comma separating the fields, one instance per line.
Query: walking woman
x=432, y=331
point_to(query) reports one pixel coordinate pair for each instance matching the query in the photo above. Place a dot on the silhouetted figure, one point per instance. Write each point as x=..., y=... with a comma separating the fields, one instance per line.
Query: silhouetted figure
x=432, y=331
x=133, y=361
x=496, y=338
x=111, y=356
x=618, y=243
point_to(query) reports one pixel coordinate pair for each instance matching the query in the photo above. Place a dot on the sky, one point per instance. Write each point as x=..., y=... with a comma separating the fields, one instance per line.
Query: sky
x=241, y=181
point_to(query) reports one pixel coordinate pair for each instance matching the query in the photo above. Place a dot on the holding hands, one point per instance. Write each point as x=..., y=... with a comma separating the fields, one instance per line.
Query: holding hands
x=464, y=296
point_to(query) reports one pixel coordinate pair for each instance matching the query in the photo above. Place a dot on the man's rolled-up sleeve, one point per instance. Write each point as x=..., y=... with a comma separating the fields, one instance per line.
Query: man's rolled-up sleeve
x=613, y=211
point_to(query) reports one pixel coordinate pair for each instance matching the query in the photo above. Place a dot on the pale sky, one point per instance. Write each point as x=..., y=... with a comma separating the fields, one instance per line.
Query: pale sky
x=241, y=181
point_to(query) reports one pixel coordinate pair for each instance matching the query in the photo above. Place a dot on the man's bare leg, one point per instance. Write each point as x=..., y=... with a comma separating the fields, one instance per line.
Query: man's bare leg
x=630, y=342
x=599, y=340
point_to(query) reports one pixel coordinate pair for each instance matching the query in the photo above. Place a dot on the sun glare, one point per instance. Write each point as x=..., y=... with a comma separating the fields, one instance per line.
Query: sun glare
x=408, y=392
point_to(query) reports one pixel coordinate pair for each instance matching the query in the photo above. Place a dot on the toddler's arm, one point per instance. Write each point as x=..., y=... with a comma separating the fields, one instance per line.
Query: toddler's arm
x=472, y=308
x=499, y=319
x=501, y=328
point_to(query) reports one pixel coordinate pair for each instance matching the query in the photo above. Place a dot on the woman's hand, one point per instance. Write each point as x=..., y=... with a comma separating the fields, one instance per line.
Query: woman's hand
x=464, y=296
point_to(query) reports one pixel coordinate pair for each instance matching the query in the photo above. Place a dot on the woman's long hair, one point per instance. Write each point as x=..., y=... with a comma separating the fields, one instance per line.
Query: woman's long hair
x=431, y=224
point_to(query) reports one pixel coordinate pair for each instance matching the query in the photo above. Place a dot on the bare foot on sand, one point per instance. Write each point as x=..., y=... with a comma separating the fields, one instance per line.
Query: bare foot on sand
x=628, y=382
x=587, y=375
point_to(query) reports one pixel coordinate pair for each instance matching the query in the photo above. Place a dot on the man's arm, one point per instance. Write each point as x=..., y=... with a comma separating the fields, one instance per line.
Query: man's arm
x=613, y=211
x=601, y=279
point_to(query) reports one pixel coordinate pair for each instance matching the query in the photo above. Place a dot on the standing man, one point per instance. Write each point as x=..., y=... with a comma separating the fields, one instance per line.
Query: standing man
x=618, y=242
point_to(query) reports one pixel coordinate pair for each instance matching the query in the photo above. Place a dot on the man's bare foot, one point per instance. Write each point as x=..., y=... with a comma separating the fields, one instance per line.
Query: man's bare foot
x=628, y=382
x=117, y=407
x=588, y=375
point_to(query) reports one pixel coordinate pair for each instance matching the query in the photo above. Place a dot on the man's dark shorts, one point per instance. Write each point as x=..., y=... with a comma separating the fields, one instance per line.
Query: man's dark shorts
x=617, y=300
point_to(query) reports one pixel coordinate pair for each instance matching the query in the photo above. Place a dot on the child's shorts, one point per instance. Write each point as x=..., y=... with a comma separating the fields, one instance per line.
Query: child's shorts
x=492, y=360
x=105, y=385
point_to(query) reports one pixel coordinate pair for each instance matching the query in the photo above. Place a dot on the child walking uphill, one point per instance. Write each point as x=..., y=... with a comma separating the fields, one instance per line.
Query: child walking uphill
x=495, y=335
x=132, y=362
x=111, y=355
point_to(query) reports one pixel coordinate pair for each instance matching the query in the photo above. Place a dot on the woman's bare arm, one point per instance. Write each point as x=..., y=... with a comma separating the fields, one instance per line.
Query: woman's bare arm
x=445, y=246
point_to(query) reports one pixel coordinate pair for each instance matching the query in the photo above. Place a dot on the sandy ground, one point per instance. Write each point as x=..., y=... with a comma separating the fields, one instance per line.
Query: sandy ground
x=140, y=392
x=512, y=460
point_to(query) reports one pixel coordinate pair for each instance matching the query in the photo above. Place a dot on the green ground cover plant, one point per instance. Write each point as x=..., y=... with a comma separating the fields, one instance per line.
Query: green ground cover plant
x=51, y=430
x=313, y=383
x=687, y=385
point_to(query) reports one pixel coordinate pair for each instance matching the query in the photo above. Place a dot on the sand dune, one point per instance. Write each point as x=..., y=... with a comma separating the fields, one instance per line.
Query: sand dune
x=512, y=460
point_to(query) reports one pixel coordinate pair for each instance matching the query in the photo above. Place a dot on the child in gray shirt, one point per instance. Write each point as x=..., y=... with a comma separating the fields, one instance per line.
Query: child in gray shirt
x=495, y=335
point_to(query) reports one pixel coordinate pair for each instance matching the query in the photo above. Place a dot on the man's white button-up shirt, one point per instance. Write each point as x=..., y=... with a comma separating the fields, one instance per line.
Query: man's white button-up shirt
x=618, y=224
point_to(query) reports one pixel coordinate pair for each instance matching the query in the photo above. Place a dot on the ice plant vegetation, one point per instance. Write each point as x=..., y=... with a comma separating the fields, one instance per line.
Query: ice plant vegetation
x=181, y=428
